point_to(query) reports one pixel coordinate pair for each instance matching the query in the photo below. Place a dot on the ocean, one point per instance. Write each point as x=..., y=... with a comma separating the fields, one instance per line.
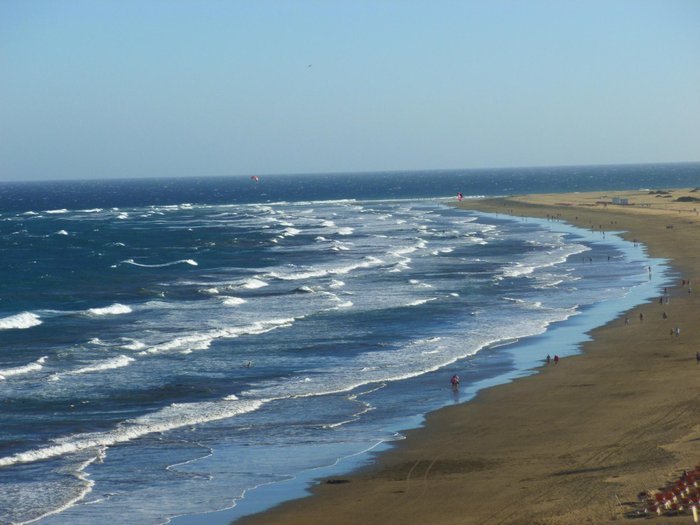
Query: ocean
x=176, y=347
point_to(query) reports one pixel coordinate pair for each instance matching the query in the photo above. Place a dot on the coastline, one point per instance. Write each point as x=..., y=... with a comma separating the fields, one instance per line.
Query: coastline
x=568, y=445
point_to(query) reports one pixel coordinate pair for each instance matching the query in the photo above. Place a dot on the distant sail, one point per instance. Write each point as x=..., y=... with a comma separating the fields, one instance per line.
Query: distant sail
x=255, y=178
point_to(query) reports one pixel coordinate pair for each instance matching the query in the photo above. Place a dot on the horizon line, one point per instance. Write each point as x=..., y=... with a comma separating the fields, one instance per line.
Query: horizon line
x=386, y=171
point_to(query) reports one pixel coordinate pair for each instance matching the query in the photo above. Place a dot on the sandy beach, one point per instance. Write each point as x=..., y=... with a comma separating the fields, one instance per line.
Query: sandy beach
x=577, y=442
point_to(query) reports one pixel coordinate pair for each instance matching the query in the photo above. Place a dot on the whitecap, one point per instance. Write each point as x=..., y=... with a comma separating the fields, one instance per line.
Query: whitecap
x=291, y=232
x=108, y=364
x=191, y=262
x=345, y=231
x=56, y=212
x=21, y=370
x=61, y=232
x=345, y=304
x=340, y=247
x=233, y=301
x=133, y=344
x=253, y=283
x=421, y=301
x=177, y=415
x=113, y=309
x=19, y=321
x=336, y=284
x=203, y=340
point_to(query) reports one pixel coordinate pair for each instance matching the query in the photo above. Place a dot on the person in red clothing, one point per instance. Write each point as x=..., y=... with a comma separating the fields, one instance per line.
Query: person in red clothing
x=556, y=359
x=455, y=382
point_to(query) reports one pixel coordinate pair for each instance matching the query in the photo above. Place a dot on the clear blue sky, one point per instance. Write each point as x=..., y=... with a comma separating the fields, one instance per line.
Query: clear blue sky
x=131, y=88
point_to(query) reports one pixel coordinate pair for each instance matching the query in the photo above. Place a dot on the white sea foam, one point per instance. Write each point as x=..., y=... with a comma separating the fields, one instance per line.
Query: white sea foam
x=399, y=252
x=133, y=344
x=421, y=301
x=253, y=283
x=113, y=309
x=107, y=364
x=191, y=262
x=338, y=246
x=21, y=370
x=559, y=256
x=232, y=301
x=61, y=232
x=56, y=212
x=19, y=321
x=336, y=284
x=203, y=340
x=345, y=231
x=87, y=486
x=291, y=232
x=175, y=416
x=367, y=262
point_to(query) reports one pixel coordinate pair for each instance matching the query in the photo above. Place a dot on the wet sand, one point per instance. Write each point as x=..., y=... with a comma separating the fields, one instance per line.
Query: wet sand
x=573, y=444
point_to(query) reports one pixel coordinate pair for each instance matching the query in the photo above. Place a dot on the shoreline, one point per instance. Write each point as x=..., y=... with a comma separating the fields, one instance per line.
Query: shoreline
x=555, y=447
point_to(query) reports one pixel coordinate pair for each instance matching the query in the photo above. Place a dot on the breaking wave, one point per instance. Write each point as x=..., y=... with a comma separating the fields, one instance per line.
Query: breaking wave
x=19, y=321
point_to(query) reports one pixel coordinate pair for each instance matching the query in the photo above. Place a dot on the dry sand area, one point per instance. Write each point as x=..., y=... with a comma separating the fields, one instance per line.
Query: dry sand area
x=573, y=444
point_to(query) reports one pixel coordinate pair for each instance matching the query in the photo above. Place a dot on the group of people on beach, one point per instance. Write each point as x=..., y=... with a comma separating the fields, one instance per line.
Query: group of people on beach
x=664, y=299
x=549, y=359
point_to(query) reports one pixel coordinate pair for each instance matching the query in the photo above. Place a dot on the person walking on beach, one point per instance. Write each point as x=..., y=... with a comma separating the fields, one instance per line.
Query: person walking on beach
x=454, y=381
x=548, y=359
x=556, y=359
x=641, y=317
x=697, y=357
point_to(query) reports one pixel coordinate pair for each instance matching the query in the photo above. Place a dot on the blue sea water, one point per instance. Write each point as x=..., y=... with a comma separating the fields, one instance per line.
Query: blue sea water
x=175, y=347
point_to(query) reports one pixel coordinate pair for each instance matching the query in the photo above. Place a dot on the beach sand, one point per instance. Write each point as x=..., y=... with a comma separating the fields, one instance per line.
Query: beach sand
x=573, y=444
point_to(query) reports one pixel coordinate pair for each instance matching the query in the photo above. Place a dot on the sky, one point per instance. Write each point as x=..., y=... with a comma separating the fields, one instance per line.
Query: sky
x=151, y=88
